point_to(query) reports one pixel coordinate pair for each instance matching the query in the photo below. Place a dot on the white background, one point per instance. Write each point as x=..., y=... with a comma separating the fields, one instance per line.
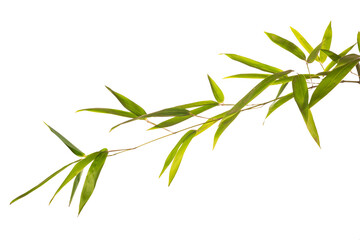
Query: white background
x=260, y=182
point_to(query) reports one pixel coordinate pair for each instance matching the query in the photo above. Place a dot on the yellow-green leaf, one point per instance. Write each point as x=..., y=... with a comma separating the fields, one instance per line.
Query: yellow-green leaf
x=302, y=40
x=358, y=40
x=331, y=55
x=285, y=79
x=218, y=94
x=71, y=146
x=92, y=177
x=287, y=45
x=173, y=152
x=43, y=182
x=310, y=124
x=197, y=104
x=75, y=171
x=75, y=185
x=331, y=81
x=128, y=104
x=342, y=54
x=210, y=122
x=179, y=155
x=110, y=111
x=225, y=122
x=326, y=42
x=301, y=94
x=253, y=63
x=279, y=103
x=249, y=75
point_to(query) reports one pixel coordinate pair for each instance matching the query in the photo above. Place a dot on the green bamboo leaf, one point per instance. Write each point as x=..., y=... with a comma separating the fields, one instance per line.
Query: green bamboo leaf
x=289, y=79
x=301, y=94
x=310, y=124
x=358, y=70
x=358, y=40
x=75, y=171
x=287, y=45
x=210, y=122
x=225, y=122
x=198, y=104
x=110, y=111
x=218, y=94
x=331, y=81
x=342, y=54
x=128, y=104
x=326, y=42
x=302, y=40
x=72, y=148
x=179, y=155
x=259, y=88
x=43, y=182
x=314, y=54
x=281, y=89
x=323, y=73
x=253, y=63
x=176, y=120
x=279, y=103
x=331, y=55
x=347, y=59
x=249, y=75
x=168, y=112
x=173, y=152
x=75, y=185
x=91, y=177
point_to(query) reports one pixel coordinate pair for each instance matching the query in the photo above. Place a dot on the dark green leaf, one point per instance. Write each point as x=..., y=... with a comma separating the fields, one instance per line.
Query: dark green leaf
x=75, y=171
x=176, y=120
x=331, y=81
x=179, y=155
x=289, y=79
x=279, y=103
x=302, y=41
x=254, y=64
x=43, y=182
x=313, y=55
x=287, y=45
x=72, y=148
x=225, y=122
x=249, y=75
x=91, y=177
x=326, y=42
x=331, y=55
x=218, y=94
x=358, y=40
x=110, y=111
x=173, y=152
x=128, y=104
x=75, y=185
x=342, y=54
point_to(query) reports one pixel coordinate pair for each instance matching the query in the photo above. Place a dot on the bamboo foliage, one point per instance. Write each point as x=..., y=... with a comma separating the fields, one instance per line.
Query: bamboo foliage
x=307, y=89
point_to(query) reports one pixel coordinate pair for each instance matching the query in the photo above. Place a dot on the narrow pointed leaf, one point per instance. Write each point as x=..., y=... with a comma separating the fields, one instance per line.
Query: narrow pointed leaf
x=326, y=42
x=225, y=122
x=331, y=55
x=310, y=124
x=279, y=103
x=301, y=94
x=128, y=104
x=210, y=122
x=358, y=40
x=197, y=104
x=179, y=155
x=218, y=94
x=75, y=171
x=358, y=70
x=347, y=59
x=110, y=111
x=283, y=80
x=313, y=55
x=92, y=177
x=331, y=81
x=168, y=112
x=75, y=185
x=302, y=40
x=259, y=88
x=281, y=89
x=249, y=75
x=43, y=182
x=253, y=63
x=173, y=152
x=342, y=54
x=287, y=45
x=176, y=120
x=71, y=146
